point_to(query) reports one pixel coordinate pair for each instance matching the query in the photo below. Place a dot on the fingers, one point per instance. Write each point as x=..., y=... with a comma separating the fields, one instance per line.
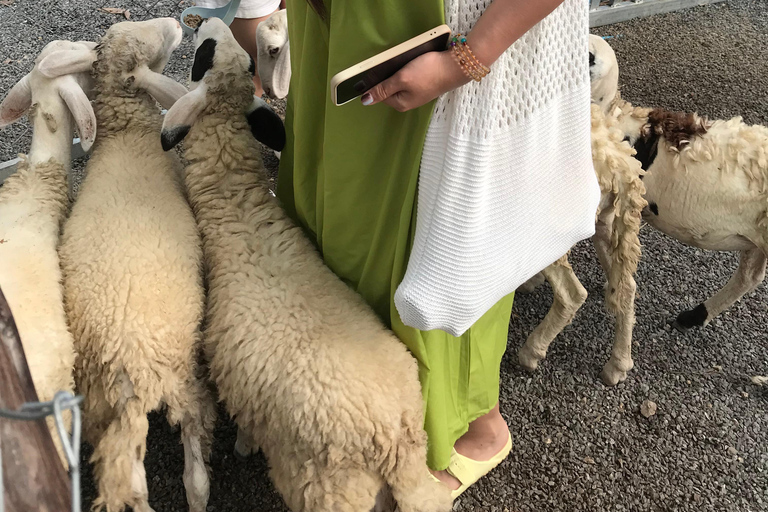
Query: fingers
x=399, y=101
x=386, y=89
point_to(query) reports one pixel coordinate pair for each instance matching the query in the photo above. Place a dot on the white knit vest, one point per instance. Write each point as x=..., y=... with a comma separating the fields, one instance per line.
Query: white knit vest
x=506, y=185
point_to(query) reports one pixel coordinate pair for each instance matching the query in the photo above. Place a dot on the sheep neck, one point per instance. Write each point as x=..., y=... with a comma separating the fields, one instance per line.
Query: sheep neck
x=225, y=175
x=52, y=132
x=45, y=181
x=118, y=111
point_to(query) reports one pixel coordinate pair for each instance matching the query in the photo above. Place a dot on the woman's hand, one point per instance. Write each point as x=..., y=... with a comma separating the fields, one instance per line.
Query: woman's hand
x=419, y=82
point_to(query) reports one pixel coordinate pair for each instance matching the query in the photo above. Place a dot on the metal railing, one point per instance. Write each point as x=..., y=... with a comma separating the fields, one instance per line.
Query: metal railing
x=607, y=12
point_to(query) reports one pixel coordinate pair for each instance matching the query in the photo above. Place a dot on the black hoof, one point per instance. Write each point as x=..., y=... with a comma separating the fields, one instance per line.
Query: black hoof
x=692, y=318
x=679, y=328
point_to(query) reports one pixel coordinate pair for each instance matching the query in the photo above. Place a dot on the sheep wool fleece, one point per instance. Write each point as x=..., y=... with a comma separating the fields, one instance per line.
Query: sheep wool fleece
x=348, y=175
x=506, y=185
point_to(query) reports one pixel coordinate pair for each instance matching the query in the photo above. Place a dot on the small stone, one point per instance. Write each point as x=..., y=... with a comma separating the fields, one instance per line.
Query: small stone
x=648, y=409
x=732, y=450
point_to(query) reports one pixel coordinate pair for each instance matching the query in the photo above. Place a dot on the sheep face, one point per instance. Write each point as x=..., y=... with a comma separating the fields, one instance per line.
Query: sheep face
x=603, y=72
x=131, y=56
x=131, y=44
x=55, y=80
x=221, y=84
x=274, y=54
x=221, y=65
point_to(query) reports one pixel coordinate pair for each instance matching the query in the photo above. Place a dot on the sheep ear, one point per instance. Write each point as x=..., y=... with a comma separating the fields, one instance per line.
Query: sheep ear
x=266, y=125
x=67, y=62
x=90, y=44
x=18, y=101
x=81, y=111
x=281, y=78
x=181, y=116
x=164, y=89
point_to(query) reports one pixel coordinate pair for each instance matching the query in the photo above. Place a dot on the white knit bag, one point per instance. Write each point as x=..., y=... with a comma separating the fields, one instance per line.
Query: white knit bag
x=506, y=185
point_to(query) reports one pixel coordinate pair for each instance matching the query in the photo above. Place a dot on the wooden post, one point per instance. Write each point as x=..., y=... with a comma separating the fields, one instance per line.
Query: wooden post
x=33, y=476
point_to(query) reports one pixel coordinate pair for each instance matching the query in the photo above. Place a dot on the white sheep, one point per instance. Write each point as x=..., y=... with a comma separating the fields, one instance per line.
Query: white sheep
x=131, y=259
x=618, y=249
x=305, y=367
x=706, y=185
x=274, y=54
x=33, y=204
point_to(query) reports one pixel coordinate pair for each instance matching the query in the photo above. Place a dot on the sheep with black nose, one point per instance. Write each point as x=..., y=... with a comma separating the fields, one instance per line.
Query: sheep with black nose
x=308, y=371
x=274, y=54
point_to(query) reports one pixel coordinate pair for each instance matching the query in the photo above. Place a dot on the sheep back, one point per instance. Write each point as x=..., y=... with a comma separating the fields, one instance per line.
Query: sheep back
x=33, y=203
x=131, y=260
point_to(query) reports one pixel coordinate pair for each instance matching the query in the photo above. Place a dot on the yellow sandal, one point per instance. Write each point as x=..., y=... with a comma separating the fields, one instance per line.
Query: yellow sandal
x=468, y=471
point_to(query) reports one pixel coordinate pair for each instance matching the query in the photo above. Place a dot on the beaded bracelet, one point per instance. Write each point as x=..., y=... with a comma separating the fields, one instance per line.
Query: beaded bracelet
x=469, y=63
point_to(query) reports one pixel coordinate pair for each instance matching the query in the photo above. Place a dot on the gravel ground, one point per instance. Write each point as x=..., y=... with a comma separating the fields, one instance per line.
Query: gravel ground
x=579, y=446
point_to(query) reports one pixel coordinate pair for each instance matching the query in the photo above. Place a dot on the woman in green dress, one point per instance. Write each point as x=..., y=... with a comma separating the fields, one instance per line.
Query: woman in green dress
x=349, y=176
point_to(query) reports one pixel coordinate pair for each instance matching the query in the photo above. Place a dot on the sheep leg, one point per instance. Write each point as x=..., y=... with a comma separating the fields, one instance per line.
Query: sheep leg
x=569, y=295
x=602, y=239
x=119, y=460
x=748, y=276
x=245, y=446
x=316, y=488
x=620, y=363
x=412, y=486
x=195, y=410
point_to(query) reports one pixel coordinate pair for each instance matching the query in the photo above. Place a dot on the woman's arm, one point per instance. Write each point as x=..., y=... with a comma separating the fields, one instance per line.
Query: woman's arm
x=427, y=77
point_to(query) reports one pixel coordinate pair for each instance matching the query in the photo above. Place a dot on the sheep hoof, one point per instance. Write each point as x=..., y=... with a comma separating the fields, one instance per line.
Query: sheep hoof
x=695, y=317
x=528, y=359
x=243, y=451
x=613, y=373
x=242, y=456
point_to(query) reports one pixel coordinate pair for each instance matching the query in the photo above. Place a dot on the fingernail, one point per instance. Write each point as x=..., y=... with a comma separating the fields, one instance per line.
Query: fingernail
x=367, y=99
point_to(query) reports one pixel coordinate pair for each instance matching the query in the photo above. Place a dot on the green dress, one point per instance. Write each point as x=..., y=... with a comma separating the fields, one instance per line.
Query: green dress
x=348, y=174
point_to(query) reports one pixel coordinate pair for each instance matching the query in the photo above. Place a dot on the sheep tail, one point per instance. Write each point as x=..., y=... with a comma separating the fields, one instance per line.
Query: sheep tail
x=119, y=458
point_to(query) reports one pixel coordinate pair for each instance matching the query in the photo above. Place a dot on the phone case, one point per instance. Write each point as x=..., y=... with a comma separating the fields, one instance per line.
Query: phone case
x=384, y=56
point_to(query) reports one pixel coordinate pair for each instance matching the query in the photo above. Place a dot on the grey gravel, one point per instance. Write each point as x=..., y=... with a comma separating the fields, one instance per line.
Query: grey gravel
x=579, y=446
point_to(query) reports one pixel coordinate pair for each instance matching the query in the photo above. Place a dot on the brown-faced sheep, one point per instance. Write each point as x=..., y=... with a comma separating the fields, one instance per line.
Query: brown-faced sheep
x=706, y=184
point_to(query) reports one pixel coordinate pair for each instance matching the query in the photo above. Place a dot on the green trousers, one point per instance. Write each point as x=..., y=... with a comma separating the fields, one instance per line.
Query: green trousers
x=348, y=175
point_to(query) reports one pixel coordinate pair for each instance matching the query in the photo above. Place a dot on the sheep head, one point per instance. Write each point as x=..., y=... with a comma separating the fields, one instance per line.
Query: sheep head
x=55, y=80
x=274, y=54
x=131, y=56
x=221, y=82
x=603, y=72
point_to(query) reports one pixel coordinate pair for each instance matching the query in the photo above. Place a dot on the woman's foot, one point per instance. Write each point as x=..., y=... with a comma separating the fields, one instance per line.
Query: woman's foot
x=486, y=437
